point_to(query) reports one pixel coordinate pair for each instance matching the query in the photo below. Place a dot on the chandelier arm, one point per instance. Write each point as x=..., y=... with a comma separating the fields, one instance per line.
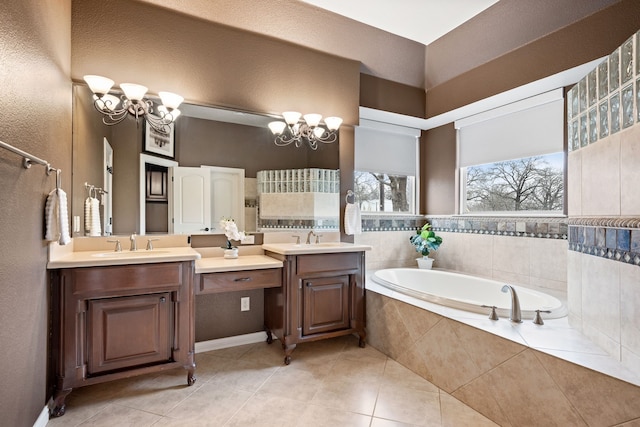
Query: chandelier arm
x=114, y=118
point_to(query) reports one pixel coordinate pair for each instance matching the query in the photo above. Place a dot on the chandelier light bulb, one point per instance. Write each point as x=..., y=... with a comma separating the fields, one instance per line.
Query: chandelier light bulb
x=318, y=132
x=333, y=123
x=277, y=127
x=133, y=91
x=170, y=100
x=291, y=117
x=98, y=84
x=313, y=119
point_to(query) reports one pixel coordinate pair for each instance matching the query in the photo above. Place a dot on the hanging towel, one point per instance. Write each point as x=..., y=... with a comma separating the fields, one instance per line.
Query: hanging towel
x=57, y=217
x=96, y=229
x=352, y=222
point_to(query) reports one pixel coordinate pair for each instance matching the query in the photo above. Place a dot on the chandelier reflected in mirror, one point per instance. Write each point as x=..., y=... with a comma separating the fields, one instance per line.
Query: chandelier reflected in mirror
x=310, y=130
x=132, y=102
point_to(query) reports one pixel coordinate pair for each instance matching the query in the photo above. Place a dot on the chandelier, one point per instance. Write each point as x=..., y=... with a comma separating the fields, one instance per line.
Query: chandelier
x=310, y=131
x=132, y=102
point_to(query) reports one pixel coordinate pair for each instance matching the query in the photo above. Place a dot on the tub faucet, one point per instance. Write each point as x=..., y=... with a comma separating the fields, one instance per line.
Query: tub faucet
x=515, y=315
x=311, y=233
x=134, y=246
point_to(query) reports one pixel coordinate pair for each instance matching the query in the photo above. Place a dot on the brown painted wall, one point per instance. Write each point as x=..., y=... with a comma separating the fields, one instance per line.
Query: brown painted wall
x=386, y=95
x=438, y=166
x=209, y=63
x=581, y=42
x=35, y=109
x=206, y=142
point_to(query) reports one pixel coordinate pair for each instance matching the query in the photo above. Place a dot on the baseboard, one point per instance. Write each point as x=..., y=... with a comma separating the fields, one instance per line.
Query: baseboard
x=43, y=419
x=227, y=342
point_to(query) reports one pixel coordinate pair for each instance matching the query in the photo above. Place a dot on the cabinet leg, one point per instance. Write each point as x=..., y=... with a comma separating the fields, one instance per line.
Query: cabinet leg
x=269, y=336
x=288, y=349
x=190, y=366
x=58, y=407
x=361, y=341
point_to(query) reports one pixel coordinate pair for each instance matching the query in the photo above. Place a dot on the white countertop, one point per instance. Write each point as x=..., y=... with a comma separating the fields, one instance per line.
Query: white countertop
x=105, y=258
x=243, y=262
x=317, y=248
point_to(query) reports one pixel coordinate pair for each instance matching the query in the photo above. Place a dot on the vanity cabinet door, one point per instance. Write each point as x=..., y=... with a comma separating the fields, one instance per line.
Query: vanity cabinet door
x=125, y=332
x=325, y=304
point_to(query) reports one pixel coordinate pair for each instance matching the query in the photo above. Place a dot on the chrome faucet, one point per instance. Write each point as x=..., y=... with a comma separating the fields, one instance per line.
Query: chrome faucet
x=311, y=233
x=134, y=246
x=515, y=315
x=118, y=245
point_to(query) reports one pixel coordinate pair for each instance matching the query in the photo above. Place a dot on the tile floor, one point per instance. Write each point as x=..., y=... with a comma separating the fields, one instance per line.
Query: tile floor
x=328, y=383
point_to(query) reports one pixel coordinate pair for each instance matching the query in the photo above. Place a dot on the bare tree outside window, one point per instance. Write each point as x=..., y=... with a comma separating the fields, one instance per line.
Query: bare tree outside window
x=527, y=184
x=380, y=192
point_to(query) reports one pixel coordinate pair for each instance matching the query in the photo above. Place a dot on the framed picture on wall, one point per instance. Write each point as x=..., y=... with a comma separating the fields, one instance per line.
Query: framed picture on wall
x=159, y=143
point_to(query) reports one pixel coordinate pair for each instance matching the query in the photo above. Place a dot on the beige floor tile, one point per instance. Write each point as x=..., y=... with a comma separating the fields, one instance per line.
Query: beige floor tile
x=293, y=383
x=347, y=396
x=408, y=405
x=319, y=416
x=265, y=410
x=328, y=383
x=213, y=403
x=115, y=415
x=396, y=374
x=455, y=414
x=381, y=422
x=244, y=375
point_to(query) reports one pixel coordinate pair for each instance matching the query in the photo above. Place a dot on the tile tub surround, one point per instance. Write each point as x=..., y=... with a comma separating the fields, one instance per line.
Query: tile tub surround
x=604, y=207
x=537, y=263
x=513, y=381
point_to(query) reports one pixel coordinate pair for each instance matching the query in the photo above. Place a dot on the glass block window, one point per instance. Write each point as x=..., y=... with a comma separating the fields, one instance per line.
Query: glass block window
x=603, y=79
x=614, y=70
x=626, y=61
x=614, y=107
x=627, y=106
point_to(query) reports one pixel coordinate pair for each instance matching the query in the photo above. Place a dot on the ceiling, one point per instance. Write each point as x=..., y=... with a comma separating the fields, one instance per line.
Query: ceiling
x=423, y=21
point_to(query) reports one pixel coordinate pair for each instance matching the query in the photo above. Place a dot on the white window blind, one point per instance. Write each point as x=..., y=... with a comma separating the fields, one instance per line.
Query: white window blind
x=531, y=127
x=385, y=148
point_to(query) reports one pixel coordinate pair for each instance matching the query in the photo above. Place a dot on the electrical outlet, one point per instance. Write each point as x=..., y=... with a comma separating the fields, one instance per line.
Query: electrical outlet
x=244, y=304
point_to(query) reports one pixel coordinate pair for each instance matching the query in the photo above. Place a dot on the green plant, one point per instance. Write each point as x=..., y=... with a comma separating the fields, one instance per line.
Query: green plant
x=426, y=240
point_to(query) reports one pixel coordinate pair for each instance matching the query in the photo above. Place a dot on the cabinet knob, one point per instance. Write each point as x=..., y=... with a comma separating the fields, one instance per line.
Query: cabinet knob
x=309, y=284
x=163, y=299
x=242, y=279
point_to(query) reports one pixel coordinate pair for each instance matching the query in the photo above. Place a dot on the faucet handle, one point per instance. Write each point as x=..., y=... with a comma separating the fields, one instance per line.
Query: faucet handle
x=538, y=319
x=297, y=239
x=149, y=245
x=493, y=315
x=318, y=236
x=118, y=245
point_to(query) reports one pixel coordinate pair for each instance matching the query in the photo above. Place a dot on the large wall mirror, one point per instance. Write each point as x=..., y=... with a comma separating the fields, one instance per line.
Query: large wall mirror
x=131, y=182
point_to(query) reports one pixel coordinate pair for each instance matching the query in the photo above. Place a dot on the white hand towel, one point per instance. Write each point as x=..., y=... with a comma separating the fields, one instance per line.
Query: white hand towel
x=96, y=229
x=57, y=217
x=63, y=217
x=51, y=222
x=87, y=215
x=352, y=222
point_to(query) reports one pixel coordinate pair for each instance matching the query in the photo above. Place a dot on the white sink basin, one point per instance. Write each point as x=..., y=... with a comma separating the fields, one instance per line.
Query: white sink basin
x=128, y=254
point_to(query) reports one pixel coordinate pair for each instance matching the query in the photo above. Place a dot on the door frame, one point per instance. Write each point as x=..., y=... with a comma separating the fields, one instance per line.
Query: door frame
x=144, y=159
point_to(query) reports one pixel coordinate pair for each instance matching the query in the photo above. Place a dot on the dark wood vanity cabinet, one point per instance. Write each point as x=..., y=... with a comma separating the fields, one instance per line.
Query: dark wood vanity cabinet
x=322, y=297
x=119, y=321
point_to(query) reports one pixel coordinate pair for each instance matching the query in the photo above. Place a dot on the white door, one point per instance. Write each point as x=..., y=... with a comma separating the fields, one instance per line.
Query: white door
x=107, y=186
x=191, y=195
x=227, y=195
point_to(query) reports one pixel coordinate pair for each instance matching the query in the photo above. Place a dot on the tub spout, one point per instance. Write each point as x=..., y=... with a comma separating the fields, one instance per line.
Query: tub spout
x=516, y=315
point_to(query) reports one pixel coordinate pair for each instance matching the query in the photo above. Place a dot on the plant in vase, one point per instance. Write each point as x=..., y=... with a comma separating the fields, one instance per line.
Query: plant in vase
x=425, y=241
x=231, y=231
